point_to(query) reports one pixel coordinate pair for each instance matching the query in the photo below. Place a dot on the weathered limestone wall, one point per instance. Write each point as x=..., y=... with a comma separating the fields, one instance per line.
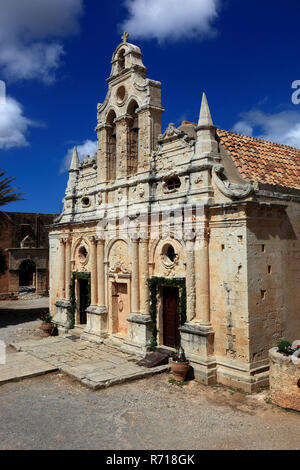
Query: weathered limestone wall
x=273, y=248
x=19, y=225
x=284, y=378
x=228, y=285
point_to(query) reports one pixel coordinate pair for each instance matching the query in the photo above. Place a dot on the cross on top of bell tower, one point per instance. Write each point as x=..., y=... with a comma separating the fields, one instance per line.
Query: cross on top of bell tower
x=125, y=36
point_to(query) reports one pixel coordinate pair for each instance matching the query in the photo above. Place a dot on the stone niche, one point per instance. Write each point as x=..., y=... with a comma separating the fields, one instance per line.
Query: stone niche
x=284, y=381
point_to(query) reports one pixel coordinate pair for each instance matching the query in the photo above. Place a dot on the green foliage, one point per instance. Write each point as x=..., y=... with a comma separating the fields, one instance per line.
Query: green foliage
x=73, y=306
x=179, y=355
x=46, y=317
x=285, y=347
x=3, y=263
x=7, y=195
x=179, y=384
x=153, y=284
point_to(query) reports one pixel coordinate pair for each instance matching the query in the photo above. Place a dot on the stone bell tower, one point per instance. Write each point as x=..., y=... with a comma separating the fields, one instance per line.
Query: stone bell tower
x=129, y=120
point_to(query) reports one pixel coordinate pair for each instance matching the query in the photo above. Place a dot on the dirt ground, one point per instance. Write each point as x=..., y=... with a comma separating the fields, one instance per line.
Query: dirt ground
x=55, y=412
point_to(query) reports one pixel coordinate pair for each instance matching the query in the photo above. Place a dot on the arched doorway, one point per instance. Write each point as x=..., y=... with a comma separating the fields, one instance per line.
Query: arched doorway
x=27, y=272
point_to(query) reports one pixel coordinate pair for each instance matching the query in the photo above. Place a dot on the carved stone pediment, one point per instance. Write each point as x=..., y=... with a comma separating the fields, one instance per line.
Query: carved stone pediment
x=170, y=134
x=119, y=258
x=119, y=267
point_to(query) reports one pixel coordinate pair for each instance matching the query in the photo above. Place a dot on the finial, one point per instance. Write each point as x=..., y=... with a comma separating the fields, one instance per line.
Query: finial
x=125, y=36
x=75, y=160
x=205, y=116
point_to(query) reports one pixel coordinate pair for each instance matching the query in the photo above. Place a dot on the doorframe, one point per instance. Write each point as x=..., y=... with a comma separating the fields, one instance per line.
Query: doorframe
x=161, y=325
x=155, y=285
x=80, y=280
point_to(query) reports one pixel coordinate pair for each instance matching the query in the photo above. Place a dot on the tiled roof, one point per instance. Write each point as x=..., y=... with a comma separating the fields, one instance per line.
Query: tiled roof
x=262, y=161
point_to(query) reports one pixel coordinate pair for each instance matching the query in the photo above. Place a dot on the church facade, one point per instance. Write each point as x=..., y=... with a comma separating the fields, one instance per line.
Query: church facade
x=187, y=237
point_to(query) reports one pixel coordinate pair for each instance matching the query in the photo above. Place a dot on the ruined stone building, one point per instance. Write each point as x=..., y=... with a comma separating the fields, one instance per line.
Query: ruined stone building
x=191, y=236
x=25, y=241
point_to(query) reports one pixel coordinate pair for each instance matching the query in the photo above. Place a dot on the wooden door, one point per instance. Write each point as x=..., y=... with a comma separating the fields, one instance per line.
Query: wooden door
x=120, y=301
x=170, y=316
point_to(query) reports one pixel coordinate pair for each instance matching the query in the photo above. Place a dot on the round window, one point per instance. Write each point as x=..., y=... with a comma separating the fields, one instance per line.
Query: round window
x=85, y=201
x=169, y=256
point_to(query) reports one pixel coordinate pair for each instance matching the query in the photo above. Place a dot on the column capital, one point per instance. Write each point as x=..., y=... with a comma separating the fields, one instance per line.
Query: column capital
x=189, y=236
x=92, y=239
x=123, y=118
x=63, y=239
x=100, y=240
x=134, y=239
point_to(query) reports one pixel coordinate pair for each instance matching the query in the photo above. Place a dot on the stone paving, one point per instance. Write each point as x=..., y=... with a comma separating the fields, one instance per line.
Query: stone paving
x=94, y=365
x=21, y=366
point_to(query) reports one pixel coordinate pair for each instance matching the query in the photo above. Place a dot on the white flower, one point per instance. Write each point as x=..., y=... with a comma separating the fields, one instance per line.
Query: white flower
x=296, y=343
x=296, y=357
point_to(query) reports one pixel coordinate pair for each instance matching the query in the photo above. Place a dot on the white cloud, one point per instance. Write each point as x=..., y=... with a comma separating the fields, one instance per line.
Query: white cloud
x=171, y=19
x=88, y=147
x=29, y=34
x=13, y=124
x=282, y=128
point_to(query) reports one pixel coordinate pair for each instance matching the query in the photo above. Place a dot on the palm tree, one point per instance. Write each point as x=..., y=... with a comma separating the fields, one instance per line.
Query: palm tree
x=7, y=195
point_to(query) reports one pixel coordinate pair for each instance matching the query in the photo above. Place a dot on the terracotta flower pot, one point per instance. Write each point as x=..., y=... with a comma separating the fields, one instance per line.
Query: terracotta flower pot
x=180, y=369
x=47, y=328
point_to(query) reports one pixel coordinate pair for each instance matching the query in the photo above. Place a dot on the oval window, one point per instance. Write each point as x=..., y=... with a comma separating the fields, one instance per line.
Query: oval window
x=121, y=91
x=173, y=183
x=85, y=201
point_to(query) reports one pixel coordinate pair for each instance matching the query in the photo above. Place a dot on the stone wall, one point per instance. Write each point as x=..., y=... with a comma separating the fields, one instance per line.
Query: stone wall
x=19, y=225
x=284, y=378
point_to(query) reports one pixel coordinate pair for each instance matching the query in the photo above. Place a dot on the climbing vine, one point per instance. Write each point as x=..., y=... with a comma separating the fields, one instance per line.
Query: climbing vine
x=73, y=305
x=153, y=284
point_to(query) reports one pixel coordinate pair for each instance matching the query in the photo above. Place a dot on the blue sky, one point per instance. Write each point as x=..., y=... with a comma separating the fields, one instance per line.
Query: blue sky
x=55, y=58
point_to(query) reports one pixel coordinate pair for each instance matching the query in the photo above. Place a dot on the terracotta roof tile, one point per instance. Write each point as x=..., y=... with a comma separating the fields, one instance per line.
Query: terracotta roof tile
x=263, y=161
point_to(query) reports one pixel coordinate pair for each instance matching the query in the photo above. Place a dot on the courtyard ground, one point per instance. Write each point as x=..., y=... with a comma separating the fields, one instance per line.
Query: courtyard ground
x=54, y=411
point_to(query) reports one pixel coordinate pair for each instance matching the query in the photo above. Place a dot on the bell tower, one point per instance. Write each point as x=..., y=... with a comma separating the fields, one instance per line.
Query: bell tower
x=129, y=120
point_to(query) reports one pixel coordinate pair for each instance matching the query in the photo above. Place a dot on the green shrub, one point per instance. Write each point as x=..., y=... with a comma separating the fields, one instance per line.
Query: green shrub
x=285, y=347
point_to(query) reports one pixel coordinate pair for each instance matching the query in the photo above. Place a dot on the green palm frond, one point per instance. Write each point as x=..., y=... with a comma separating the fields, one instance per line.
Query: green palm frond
x=7, y=194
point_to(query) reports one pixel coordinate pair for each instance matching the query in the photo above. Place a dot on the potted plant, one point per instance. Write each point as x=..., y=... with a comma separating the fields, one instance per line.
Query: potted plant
x=179, y=365
x=47, y=325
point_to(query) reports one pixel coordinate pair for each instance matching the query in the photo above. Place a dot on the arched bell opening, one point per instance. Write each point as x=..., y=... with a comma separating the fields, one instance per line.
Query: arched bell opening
x=111, y=146
x=133, y=139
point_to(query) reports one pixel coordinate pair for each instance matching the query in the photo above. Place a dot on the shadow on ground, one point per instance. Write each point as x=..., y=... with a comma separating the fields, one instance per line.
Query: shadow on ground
x=19, y=315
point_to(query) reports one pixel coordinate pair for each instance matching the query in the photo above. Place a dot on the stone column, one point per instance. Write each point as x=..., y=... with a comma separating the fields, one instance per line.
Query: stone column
x=135, y=300
x=101, y=273
x=190, y=278
x=144, y=275
x=61, y=258
x=102, y=134
x=93, y=264
x=68, y=268
x=202, y=279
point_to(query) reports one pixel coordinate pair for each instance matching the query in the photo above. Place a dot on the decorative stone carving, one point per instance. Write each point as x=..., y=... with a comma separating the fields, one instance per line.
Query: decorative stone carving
x=141, y=190
x=231, y=190
x=119, y=258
